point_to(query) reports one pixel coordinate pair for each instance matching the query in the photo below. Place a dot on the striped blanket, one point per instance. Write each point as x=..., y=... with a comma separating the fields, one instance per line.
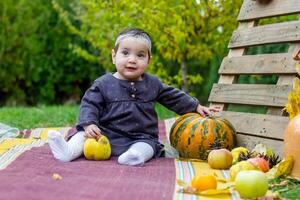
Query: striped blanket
x=29, y=171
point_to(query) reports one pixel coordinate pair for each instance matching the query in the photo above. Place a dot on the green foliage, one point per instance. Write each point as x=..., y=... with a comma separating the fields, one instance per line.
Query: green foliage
x=287, y=187
x=247, y=108
x=182, y=31
x=36, y=63
x=50, y=52
x=39, y=57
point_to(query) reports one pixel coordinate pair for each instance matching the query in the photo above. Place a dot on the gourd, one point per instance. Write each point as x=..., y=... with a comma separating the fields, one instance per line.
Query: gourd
x=193, y=135
x=292, y=131
x=97, y=149
x=291, y=144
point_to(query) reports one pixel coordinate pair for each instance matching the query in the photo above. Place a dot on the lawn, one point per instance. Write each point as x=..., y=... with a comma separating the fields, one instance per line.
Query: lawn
x=51, y=116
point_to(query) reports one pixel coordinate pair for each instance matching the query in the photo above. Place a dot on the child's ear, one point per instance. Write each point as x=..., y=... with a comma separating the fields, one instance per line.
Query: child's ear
x=113, y=56
x=150, y=60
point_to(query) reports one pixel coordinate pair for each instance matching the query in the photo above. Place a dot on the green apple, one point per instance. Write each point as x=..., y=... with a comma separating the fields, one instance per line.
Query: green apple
x=219, y=159
x=240, y=166
x=251, y=184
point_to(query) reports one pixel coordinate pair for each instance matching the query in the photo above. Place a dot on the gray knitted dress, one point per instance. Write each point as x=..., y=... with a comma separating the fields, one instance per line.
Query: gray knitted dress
x=125, y=110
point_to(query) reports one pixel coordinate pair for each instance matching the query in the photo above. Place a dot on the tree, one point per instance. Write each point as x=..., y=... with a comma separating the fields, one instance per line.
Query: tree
x=182, y=30
x=36, y=64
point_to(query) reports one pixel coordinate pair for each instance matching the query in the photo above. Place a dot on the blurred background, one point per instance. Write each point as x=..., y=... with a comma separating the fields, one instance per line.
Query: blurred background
x=51, y=51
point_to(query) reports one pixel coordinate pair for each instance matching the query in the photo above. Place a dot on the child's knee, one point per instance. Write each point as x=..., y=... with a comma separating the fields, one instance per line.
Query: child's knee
x=137, y=154
x=131, y=157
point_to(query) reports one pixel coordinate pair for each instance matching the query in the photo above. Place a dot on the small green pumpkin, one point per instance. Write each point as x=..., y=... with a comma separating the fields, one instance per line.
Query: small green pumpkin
x=192, y=135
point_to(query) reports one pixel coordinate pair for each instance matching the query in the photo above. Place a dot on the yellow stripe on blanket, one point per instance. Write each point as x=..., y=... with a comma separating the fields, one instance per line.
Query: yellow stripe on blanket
x=42, y=133
x=187, y=169
x=8, y=143
x=12, y=148
x=39, y=133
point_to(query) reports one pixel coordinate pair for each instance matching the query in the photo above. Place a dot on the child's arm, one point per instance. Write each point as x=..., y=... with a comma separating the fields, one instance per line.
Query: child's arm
x=90, y=111
x=177, y=100
x=181, y=103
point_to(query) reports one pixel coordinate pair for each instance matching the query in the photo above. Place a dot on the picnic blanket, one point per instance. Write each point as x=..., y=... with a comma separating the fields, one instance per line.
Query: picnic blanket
x=27, y=167
x=7, y=131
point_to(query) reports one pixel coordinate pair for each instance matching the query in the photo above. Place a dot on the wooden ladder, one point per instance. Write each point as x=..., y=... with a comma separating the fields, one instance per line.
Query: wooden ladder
x=253, y=128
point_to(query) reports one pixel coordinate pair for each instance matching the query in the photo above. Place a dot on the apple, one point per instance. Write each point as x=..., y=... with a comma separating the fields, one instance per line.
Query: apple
x=97, y=149
x=251, y=184
x=261, y=163
x=219, y=159
x=240, y=166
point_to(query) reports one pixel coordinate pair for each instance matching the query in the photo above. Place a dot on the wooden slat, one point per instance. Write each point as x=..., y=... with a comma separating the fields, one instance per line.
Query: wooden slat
x=282, y=80
x=294, y=47
x=267, y=34
x=251, y=10
x=250, y=142
x=227, y=79
x=282, y=63
x=267, y=126
x=250, y=94
x=257, y=128
x=285, y=80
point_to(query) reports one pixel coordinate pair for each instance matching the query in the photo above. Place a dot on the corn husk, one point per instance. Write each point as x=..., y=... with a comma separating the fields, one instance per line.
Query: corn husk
x=284, y=168
x=293, y=105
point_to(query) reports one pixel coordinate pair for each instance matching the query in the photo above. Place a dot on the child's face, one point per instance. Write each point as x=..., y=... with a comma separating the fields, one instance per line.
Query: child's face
x=131, y=58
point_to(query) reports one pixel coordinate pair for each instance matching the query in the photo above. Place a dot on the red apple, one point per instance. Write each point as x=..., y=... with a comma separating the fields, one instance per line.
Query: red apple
x=251, y=184
x=220, y=159
x=261, y=163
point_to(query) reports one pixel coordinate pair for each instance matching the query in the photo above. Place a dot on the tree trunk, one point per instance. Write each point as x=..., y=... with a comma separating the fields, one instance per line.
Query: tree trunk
x=184, y=76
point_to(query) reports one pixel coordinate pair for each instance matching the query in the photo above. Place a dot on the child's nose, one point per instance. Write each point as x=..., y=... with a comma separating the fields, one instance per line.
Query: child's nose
x=132, y=58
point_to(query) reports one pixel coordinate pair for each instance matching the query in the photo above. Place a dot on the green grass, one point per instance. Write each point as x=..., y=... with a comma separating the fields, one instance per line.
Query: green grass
x=44, y=116
x=163, y=112
x=51, y=116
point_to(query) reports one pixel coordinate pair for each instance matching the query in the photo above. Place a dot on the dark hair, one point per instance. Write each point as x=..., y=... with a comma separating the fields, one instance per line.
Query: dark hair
x=135, y=32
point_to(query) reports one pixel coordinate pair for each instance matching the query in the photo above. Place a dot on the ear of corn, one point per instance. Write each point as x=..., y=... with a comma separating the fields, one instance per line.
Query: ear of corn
x=293, y=105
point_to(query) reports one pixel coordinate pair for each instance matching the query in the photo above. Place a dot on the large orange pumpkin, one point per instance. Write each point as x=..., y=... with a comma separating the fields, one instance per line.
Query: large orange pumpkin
x=192, y=135
x=291, y=144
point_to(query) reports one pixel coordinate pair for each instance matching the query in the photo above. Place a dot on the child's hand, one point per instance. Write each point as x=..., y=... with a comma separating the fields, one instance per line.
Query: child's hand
x=204, y=111
x=92, y=131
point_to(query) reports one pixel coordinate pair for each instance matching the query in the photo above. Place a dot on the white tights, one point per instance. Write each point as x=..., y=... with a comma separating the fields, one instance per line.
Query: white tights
x=63, y=150
x=137, y=154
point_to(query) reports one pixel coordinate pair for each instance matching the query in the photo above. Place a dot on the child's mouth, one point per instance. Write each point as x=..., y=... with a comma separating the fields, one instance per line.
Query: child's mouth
x=131, y=68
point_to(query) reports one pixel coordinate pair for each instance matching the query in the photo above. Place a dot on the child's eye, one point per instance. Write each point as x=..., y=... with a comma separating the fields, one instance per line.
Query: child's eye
x=125, y=53
x=141, y=55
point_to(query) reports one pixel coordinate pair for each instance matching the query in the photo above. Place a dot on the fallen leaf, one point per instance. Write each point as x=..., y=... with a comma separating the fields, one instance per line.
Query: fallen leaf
x=56, y=176
x=188, y=189
x=210, y=192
